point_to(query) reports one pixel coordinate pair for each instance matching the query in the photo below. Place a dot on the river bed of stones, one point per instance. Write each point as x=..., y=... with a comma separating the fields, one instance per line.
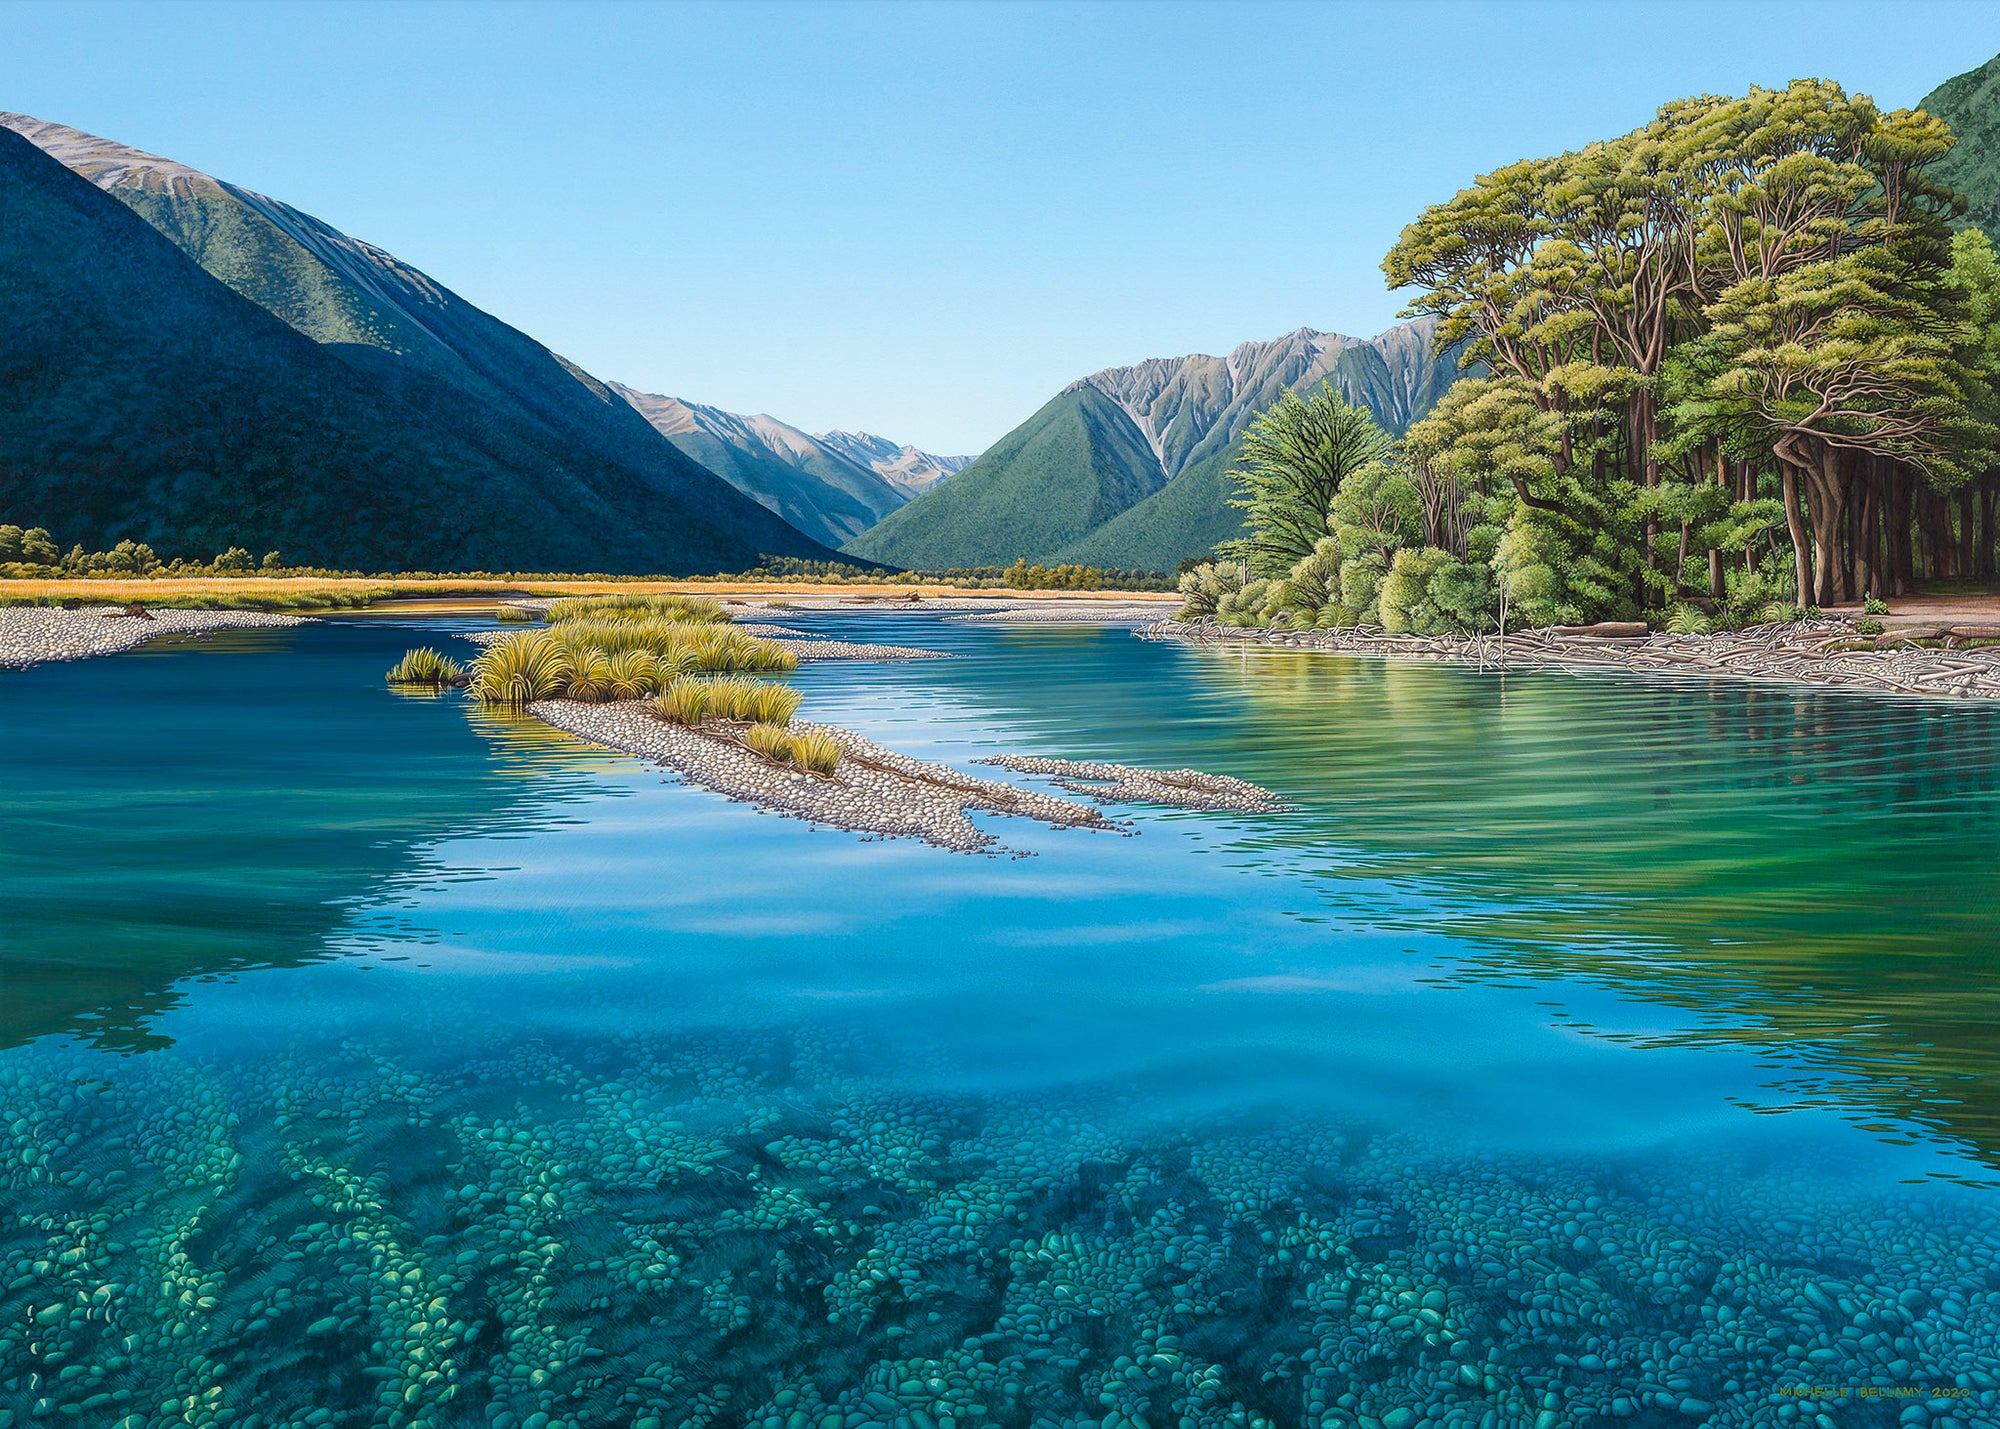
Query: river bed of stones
x=659, y=1231
x=1811, y=652
x=32, y=635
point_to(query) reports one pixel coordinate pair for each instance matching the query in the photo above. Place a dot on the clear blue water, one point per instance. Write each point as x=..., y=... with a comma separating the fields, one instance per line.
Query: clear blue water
x=1609, y=1050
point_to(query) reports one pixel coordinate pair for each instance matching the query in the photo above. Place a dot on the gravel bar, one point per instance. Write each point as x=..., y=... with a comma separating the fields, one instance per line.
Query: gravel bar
x=1810, y=652
x=1123, y=784
x=874, y=791
x=32, y=634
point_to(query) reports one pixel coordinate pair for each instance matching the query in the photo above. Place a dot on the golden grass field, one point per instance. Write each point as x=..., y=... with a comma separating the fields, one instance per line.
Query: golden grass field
x=304, y=592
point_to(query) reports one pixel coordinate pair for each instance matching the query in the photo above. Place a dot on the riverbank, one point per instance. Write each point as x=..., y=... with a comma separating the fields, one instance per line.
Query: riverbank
x=33, y=635
x=1826, y=653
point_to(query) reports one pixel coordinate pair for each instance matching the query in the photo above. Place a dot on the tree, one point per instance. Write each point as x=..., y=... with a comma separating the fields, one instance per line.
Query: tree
x=1295, y=456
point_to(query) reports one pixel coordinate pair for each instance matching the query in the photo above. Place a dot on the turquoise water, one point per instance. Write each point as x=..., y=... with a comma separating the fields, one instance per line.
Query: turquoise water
x=1576, y=1051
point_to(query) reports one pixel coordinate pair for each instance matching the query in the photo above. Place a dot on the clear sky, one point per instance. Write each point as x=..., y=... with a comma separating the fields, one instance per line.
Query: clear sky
x=918, y=219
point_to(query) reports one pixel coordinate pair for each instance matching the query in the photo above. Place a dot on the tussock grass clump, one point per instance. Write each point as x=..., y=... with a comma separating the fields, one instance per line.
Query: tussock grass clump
x=589, y=675
x=520, y=669
x=426, y=667
x=810, y=750
x=513, y=615
x=815, y=750
x=774, y=704
x=634, y=674
x=773, y=741
x=683, y=701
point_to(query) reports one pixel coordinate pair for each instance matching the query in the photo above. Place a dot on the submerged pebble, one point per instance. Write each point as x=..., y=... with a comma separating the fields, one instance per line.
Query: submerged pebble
x=747, y=1229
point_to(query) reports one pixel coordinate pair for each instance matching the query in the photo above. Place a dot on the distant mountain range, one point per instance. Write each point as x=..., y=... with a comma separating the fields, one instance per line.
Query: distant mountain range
x=831, y=487
x=1128, y=467
x=194, y=365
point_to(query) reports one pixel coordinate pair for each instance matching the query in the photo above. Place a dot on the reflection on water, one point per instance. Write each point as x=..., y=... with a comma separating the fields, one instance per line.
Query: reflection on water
x=201, y=807
x=542, y=1091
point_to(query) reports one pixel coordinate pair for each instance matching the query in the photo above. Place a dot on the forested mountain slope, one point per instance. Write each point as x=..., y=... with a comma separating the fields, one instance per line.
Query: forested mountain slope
x=548, y=467
x=1127, y=467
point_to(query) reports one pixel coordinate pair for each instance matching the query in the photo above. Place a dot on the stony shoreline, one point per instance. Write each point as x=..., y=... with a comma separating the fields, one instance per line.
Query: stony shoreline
x=874, y=791
x=1811, y=652
x=33, y=635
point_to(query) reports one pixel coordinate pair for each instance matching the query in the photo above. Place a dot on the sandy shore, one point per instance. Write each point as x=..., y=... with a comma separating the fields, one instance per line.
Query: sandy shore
x=31, y=635
x=1814, y=652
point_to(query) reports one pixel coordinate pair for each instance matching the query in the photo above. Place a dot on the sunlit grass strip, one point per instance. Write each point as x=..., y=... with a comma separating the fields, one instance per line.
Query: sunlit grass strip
x=678, y=608
x=426, y=667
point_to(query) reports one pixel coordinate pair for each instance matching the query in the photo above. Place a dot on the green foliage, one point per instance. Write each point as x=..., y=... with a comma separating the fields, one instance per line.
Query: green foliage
x=1203, y=588
x=1868, y=627
x=426, y=667
x=1295, y=457
x=1432, y=592
x=1688, y=620
x=1872, y=606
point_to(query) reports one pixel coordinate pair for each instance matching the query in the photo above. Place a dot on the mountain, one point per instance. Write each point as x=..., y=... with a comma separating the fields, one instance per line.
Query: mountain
x=1128, y=467
x=910, y=471
x=832, y=488
x=1970, y=103
x=392, y=417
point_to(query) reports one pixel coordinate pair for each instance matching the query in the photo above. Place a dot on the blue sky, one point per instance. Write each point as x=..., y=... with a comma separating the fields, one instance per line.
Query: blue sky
x=918, y=219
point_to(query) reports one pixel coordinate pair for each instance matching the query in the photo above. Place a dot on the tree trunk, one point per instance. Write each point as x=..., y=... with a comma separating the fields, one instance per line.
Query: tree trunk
x=1795, y=523
x=1722, y=478
x=1968, y=536
x=1867, y=522
x=1829, y=512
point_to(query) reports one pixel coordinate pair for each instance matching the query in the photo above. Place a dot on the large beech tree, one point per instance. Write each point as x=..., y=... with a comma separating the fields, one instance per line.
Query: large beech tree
x=1744, y=290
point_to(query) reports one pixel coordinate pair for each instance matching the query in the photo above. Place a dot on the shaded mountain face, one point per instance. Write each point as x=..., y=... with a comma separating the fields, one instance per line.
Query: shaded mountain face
x=1128, y=467
x=550, y=468
x=827, y=489
x=1970, y=103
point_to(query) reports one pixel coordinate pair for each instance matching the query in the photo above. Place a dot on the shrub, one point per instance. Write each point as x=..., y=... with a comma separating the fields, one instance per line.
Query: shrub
x=426, y=667
x=1203, y=587
x=1873, y=606
x=1813, y=612
x=1779, y=612
x=1869, y=626
x=520, y=669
